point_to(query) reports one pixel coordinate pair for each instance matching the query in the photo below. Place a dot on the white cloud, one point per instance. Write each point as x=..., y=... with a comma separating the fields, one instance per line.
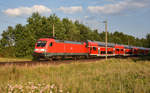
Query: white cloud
x=86, y=17
x=118, y=7
x=71, y=10
x=27, y=10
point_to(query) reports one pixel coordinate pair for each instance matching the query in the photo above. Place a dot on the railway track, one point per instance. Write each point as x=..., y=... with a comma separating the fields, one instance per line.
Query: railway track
x=65, y=61
x=54, y=62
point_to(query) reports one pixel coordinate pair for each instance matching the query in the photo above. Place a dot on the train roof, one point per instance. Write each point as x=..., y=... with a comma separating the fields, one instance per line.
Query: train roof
x=71, y=42
x=113, y=45
x=127, y=46
x=141, y=48
x=108, y=44
x=102, y=43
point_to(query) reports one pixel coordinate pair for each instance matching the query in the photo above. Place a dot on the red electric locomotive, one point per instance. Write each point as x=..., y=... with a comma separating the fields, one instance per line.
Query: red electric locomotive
x=49, y=48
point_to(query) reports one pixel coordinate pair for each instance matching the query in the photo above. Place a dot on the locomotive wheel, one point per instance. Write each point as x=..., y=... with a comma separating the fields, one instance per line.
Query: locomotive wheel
x=86, y=57
x=62, y=57
x=50, y=58
x=75, y=58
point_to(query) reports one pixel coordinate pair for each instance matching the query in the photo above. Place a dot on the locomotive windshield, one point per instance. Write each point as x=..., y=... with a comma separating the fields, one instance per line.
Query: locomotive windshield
x=41, y=43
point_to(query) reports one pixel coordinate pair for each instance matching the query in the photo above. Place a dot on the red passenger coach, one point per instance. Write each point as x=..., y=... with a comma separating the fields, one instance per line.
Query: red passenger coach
x=128, y=50
x=147, y=51
x=135, y=51
x=48, y=47
x=119, y=50
x=98, y=49
x=142, y=51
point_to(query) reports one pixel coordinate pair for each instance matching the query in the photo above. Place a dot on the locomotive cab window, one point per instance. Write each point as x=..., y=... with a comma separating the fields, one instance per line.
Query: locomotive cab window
x=41, y=43
x=51, y=44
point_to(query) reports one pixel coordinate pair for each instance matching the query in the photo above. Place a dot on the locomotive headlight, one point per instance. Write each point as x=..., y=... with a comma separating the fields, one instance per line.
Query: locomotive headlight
x=36, y=49
x=43, y=50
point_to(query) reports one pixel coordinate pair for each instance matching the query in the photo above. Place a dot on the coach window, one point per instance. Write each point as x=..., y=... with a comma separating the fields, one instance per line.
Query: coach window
x=51, y=44
x=117, y=49
x=110, y=52
x=127, y=52
x=94, y=48
x=121, y=49
x=103, y=52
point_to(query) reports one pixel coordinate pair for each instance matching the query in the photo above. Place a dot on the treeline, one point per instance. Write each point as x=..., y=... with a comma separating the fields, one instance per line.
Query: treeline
x=19, y=41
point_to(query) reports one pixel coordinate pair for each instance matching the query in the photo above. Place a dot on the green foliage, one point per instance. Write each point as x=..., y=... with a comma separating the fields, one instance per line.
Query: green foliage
x=148, y=40
x=19, y=41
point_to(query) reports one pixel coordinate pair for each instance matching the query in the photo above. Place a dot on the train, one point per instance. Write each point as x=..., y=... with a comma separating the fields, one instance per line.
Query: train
x=50, y=48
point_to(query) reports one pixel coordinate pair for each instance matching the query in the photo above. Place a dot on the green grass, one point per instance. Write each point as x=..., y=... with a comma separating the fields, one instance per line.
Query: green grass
x=113, y=76
x=14, y=59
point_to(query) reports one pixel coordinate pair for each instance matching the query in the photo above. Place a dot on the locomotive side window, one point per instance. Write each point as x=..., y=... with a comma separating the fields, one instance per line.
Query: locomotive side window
x=51, y=44
x=41, y=43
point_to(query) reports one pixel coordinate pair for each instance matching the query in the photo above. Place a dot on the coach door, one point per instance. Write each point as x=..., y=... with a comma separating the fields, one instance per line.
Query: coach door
x=117, y=51
x=98, y=50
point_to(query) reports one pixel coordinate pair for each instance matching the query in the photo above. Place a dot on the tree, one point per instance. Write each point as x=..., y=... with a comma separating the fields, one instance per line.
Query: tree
x=84, y=31
x=71, y=31
x=19, y=41
x=148, y=40
x=7, y=42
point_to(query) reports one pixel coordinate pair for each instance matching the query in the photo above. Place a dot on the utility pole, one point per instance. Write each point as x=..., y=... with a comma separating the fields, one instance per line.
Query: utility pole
x=53, y=31
x=128, y=41
x=105, y=38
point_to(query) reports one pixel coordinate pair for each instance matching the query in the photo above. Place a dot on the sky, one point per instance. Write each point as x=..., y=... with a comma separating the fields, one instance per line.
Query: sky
x=128, y=16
